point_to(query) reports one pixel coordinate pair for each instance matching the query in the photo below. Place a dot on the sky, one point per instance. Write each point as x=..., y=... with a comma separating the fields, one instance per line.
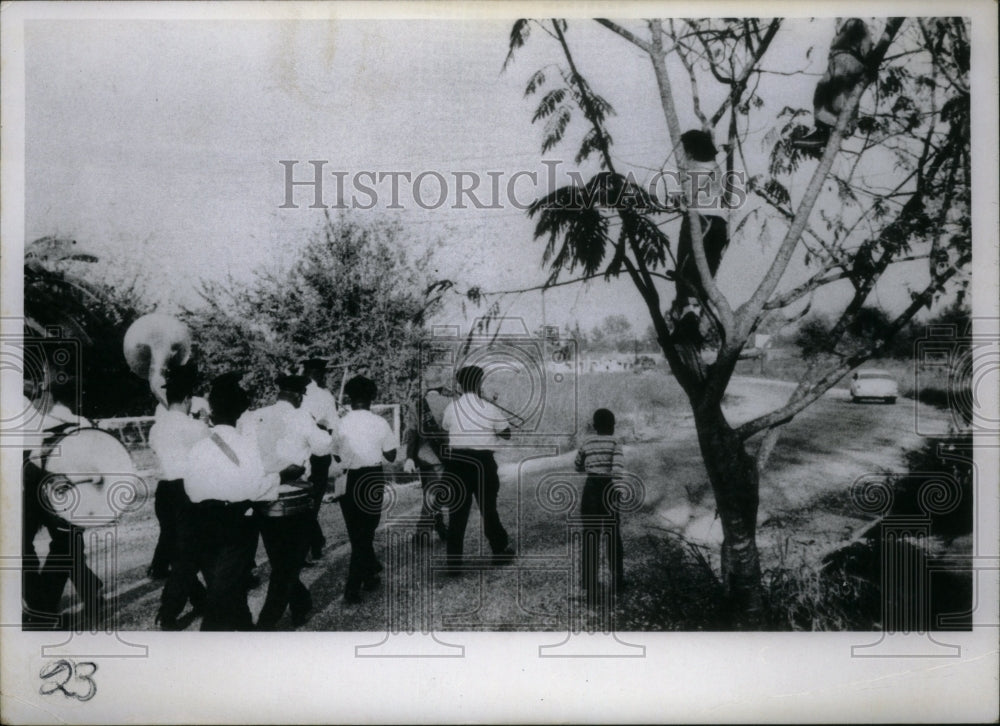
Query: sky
x=156, y=144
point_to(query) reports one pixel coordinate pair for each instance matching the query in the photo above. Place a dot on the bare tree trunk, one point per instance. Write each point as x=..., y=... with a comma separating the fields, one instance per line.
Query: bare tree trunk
x=733, y=475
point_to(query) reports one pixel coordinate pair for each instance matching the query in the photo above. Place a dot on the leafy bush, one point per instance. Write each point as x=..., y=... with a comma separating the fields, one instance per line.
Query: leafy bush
x=352, y=294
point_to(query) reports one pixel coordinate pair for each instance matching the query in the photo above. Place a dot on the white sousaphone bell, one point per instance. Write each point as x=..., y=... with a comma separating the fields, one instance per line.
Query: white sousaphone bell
x=154, y=344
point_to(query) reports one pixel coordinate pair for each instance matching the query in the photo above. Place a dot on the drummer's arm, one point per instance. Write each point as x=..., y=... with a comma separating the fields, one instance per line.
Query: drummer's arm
x=389, y=445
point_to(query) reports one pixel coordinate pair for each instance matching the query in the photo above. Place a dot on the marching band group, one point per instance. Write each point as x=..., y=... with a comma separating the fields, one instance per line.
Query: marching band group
x=261, y=475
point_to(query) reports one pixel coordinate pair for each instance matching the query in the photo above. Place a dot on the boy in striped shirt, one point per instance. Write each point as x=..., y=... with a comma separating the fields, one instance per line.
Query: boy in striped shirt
x=601, y=458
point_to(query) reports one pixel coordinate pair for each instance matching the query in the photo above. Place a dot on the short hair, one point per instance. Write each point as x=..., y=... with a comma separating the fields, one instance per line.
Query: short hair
x=227, y=399
x=292, y=384
x=180, y=382
x=177, y=395
x=604, y=421
x=850, y=35
x=361, y=389
x=470, y=378
x=698, y=145
x=314, y=364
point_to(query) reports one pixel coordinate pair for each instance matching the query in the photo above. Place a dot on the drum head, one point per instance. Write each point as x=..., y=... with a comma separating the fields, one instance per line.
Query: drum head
x=90, y=479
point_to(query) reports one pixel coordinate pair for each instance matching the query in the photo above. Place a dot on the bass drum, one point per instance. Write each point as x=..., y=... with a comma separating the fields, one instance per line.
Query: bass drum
x=89, y=478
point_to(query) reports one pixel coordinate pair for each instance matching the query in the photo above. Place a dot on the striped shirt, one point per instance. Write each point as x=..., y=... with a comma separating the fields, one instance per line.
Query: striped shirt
x=600, y=455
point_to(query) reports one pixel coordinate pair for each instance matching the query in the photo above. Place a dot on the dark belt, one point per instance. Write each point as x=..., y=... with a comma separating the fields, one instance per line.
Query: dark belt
x=297, y=500
x=219, y=504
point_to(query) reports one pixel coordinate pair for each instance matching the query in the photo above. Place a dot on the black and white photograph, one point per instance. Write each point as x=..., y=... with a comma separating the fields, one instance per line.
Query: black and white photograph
x=380, y=362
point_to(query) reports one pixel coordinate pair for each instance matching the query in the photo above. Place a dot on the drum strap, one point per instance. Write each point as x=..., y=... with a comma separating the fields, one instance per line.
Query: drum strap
x=225, y=448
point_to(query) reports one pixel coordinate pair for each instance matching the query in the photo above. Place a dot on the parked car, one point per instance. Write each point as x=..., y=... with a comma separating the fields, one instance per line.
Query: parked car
x=873, y=383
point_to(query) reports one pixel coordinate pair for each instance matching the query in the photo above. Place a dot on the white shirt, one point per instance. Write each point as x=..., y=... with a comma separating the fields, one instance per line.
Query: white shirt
x=473, y=423
x=171, y=438
x=200, y=408
x=212, y=474
x=322, y=406
x=364, y=437
x=286, y=436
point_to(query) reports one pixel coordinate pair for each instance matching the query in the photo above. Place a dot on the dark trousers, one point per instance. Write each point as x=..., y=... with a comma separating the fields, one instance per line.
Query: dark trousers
x=228, y=538
x=430, y=512
x=600, y=523
x=182, y=583
x=43, y=584
x=362, y=509
x=320, y=471
x=286, y=541
x=168, y=503
x=474, y=474
x=715, y=238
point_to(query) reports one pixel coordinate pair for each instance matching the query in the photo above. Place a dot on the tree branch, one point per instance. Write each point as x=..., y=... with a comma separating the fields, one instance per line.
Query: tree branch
x=740, y=82
x=695, y=97
x=627, y=34
x=750, y=310
x=819, y=280
x=807, y=392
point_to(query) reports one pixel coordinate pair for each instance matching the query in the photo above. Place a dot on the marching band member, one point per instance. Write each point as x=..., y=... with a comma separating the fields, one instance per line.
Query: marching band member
x=366, y=441
x=173, y=433
x=223, y=477
x=424, y=442
x=287, y=436
x=322, y=406
x=44, y=583
x=474, y=428
x=172, y=437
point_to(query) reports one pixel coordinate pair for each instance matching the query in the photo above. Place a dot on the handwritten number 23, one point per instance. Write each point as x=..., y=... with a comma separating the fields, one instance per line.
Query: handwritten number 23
x=65, y=675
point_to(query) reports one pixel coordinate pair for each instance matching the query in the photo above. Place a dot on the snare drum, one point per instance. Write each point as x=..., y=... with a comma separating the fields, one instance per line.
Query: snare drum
x=293, y=498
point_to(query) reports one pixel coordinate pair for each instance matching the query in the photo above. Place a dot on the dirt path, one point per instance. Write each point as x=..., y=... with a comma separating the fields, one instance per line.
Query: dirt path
x=802, y=515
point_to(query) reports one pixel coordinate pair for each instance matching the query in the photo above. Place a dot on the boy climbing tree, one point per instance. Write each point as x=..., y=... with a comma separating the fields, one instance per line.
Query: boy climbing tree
x=705, y=194
x=844, y=70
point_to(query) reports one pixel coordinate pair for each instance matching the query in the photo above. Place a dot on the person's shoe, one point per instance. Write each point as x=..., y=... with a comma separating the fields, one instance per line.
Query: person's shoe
x=155, y=573
x=371, y=583
x=504, y=556
x=299, y=618
x=352, y=597
x=814, y=140
x=167, y=625
x=453, y=567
